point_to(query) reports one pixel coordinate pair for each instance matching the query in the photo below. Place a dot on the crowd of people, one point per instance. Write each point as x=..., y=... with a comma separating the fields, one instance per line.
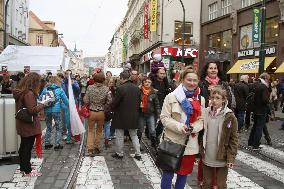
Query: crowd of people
x=206, y=110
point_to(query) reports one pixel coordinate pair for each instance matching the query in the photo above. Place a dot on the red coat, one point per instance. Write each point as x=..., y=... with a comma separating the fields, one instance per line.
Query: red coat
x=28, y=98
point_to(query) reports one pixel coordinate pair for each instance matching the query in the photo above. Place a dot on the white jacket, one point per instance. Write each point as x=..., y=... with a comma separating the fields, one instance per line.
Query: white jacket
x=171, y=117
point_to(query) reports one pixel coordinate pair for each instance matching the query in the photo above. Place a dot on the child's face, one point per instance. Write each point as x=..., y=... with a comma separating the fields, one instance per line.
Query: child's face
x=217, y=100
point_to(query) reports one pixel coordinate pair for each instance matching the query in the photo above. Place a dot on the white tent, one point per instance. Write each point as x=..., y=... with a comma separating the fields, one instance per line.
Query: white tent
x=40, y=59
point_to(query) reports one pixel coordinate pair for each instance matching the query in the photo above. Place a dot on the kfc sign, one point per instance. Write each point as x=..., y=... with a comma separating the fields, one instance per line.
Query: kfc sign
x=177, y=52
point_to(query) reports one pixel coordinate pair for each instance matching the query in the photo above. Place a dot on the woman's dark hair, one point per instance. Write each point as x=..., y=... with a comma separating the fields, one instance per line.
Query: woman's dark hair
x=205, y=68
x=99, y=77
x=109, y=72
x=146, y=78
x=30, y=82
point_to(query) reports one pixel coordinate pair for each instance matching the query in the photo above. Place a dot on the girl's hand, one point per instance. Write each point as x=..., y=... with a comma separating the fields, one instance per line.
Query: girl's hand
x=230, y=165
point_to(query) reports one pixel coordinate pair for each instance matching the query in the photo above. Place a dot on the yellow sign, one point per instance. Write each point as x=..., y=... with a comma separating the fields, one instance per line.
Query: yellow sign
x=153, y=16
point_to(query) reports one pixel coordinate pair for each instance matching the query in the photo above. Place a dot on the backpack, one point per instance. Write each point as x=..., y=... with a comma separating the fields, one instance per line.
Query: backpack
x=50, y=93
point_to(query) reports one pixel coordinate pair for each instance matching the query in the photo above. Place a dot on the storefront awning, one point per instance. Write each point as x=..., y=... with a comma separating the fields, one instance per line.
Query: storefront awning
x=249, y=66
x=280, y=69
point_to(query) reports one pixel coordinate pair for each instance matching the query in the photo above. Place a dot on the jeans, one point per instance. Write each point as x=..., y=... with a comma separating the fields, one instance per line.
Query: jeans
x=149, y=121
x=66, y=123
x=257, y=129
x=120, y=141
x=241, y=117
x=56, y=116
x=25, y=152
x=167, y=177
x=107, y=126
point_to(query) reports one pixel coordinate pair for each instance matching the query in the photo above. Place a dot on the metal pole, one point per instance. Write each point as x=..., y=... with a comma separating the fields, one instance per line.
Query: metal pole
x=5, y=24
x=262, y=39
x=183, y=31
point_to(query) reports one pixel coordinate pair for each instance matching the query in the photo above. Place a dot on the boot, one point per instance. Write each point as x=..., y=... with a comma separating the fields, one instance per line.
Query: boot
x=153, y=142
x=268, y=140
x=107, y=145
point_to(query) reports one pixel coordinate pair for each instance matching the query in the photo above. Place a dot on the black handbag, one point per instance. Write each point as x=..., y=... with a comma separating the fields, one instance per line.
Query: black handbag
x=24, y=115
x=170, y=155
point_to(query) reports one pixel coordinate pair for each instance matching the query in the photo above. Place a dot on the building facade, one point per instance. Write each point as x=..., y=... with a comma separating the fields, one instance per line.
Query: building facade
x=1, y=25
x=42, y=33
x=230, y=35
x=17, y=22
x=155, y=27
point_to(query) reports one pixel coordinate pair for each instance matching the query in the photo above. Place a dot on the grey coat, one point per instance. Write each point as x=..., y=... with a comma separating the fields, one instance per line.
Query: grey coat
x=125, y=106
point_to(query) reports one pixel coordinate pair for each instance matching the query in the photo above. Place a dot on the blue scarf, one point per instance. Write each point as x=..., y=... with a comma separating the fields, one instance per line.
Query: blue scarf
x=187, y=105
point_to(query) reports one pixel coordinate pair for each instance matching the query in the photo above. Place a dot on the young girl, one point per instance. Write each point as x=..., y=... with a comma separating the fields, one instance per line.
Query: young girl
x=220, y=140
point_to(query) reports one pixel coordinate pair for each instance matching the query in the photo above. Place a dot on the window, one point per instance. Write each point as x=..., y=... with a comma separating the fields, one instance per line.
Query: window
x=213, y=11
x=272, y=30
x=246, y=37
x=221, y=41
x=246, y=3
x=39, y=40
x=226, y=6
x=178, y=32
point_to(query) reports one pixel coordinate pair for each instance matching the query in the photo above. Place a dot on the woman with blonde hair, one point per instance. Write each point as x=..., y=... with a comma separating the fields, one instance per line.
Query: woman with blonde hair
x=54, y=91
x=26, y=97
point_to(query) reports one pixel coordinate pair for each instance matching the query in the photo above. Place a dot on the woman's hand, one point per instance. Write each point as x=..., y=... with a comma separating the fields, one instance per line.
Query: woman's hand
x=185, y=130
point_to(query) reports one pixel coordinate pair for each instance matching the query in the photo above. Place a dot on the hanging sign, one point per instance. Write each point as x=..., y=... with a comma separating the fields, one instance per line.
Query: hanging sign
x=256, y=25
x=153, y=16
x=146, y=24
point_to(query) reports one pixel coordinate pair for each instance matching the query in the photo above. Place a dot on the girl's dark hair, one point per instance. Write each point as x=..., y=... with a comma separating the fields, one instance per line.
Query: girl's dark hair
x=146, y=78
x=205, y=68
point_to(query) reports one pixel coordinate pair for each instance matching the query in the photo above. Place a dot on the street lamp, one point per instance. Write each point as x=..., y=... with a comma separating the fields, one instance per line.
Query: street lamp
x=262, y=39
x=5, y=23
x=183, y=30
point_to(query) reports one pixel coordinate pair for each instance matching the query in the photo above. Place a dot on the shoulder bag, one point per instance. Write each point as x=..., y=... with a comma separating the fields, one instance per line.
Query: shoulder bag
x=170, y=155
x=23, y=114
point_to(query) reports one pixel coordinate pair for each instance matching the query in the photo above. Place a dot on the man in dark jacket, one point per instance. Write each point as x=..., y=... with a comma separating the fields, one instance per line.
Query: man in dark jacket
x=260, y=112
x=241, y=91
x=126, y=106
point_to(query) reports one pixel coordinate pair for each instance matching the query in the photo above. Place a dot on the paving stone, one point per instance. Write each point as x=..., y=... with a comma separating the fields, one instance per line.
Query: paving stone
x=49, y=180
x=43, y=186
x=59, y=183
x=62, y=175
x=8, y=185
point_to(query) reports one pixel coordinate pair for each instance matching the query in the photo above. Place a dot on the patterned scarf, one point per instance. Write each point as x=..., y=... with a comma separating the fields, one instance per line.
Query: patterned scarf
x=146, y=92
x=212, y=81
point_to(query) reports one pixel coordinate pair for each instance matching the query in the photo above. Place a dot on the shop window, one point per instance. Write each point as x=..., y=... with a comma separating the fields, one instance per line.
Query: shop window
x=178, y=32
x=272, y=30
x=226, y=6
x=221, y=41
x=213, y=11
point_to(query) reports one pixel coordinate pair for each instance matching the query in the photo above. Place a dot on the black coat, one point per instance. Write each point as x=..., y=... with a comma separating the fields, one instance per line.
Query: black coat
x=261, y=99
x=241, y=92
x=162, y=87
x=204, y=85
x=153, y=106
x=125, y=106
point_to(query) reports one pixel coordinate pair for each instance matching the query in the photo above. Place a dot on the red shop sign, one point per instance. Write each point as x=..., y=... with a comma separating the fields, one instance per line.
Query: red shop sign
x=177, y=52
x=146, y=23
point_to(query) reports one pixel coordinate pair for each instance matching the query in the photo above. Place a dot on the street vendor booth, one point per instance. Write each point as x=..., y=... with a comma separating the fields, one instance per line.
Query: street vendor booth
x=33, y=58
x=249, y=66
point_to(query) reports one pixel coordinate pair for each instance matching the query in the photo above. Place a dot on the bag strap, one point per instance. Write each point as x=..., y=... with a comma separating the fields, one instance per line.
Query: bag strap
x=186, y=140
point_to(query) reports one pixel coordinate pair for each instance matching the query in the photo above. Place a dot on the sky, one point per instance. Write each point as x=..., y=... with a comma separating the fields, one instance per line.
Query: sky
x=88, y=23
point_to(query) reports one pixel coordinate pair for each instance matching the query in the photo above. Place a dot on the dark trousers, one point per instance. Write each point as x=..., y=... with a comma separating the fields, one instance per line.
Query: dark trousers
x=25, y=152
x=266, y=134
x=257, y=129
x=247, y=119
x=241, y=118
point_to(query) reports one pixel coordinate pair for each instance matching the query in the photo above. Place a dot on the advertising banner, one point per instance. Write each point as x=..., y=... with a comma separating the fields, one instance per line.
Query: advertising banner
x=146, y=23
x=153, y=16
x=256, y=25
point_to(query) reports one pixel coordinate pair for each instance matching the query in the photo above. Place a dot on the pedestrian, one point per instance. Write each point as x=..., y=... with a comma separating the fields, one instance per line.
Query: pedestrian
x=26, y=96
x=241, y=93
x=211, y=76
x=181, y=116
x=126, y=106
x=220, y=140
x=108, y=130
x=53, y=111
x=98, y=98
x=134, y=77
x=260, y=110
x=6, y=84
x=273, y=98
x=149, y=111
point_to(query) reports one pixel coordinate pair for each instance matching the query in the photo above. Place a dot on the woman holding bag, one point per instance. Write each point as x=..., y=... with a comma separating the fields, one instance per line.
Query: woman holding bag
x=182, y=117
x=26, y=97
